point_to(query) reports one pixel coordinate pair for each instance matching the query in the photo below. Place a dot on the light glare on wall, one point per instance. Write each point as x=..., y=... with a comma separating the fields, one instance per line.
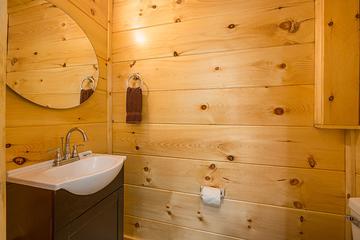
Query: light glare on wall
x=140, y=38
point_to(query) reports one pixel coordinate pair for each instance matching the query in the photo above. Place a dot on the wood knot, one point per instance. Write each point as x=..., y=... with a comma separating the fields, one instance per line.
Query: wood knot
x=132, y=64
x=177, y=20
x=230, y=158
x=357, y=16
x=178, y=1
x=8, y=145
x=331, y=23
x=249, y=220
x=63, y=24
x=137, y=147
x=249, y=227
x=301, y=218
x=212, y=166
x=203, y=107
x=279, y=111
x=294, y=181
x=14, y=61
x=137, y=225
x=176, y=54
x=19, y=160
x=282, y=65
x=217, y=68
x=154, y=6
x=291, y=26
x=298, y=205
x=231, y=26
x=331, y=98
x=207, y=178
x=348, y=195
x=146, y=169
x=311, y=161
x=64, y=65
x=169, y=212
x=148, y=180
x=35, y=53
x=199, y=216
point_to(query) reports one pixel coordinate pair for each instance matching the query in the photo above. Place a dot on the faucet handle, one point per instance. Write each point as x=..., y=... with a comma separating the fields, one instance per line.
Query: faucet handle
x=75, y=153
x=59, y=155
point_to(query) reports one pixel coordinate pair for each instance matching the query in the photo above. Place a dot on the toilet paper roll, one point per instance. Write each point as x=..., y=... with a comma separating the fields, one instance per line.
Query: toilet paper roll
x=211, y=196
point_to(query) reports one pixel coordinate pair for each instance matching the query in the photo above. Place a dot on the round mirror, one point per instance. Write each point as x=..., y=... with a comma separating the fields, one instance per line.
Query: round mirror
x=51, y=62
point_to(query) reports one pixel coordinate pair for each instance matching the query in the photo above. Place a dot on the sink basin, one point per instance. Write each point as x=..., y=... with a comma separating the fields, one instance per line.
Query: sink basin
x=86, y=176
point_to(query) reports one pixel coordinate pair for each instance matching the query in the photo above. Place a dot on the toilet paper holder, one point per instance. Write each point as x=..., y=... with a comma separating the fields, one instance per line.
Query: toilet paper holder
x=222, y=192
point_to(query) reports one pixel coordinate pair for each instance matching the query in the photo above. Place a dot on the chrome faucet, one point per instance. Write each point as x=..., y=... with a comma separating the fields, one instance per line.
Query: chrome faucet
x=74, y=154
x=65, y=157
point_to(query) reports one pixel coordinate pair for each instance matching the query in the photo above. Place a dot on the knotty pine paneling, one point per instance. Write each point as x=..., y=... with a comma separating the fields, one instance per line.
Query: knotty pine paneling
x=278, y=66
x=234, y=218
x=317, y=190
x=270, y=27
x=145, y=13
x=278, y=146
x=3, y=47
x=154, y=230
x=286, y=106
x=228, y=83
x=337, y=64
x=31, y=129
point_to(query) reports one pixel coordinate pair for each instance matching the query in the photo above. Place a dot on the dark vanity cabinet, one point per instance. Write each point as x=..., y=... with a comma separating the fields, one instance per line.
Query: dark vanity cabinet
x=38, y=214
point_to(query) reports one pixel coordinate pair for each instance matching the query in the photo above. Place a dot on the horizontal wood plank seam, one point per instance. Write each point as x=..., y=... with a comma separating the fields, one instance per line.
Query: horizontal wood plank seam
x=245, y=163
x=210, y=52
x=219, y=88
x=53, y=125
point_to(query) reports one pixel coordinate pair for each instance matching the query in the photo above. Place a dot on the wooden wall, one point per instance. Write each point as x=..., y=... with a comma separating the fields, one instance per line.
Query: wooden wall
x=32, y=130
x=228, y=102
x=3, y=46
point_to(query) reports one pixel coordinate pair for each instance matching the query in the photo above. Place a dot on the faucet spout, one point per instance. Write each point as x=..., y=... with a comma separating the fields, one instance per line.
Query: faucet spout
x=68, y=135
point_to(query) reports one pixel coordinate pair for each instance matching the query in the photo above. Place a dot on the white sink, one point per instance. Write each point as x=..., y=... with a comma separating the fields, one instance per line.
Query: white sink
x=83, y=177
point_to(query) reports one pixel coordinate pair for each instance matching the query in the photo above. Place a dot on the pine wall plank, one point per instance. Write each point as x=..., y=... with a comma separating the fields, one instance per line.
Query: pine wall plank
x=139, y=228
x=278, y=66
x=279, y=146
x=266, y=28
x=146, y=13
x=286, y=106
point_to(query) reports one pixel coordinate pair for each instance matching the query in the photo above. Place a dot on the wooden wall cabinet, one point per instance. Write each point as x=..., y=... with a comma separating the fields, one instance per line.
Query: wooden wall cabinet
x=337, y=64
x=38, y=214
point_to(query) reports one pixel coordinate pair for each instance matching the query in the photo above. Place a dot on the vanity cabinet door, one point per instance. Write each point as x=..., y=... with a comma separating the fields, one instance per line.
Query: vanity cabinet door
x=99, y=223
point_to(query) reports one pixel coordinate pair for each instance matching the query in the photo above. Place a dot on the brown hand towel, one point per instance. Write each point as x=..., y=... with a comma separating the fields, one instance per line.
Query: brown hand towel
x=85, y=94
x=133, y=105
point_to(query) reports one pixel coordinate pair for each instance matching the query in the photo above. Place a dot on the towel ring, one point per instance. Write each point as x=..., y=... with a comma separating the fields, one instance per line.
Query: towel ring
x=91, y=80
x=136, y=77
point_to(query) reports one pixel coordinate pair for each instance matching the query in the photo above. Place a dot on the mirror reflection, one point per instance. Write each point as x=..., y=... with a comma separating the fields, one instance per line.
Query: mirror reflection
x=51, y=62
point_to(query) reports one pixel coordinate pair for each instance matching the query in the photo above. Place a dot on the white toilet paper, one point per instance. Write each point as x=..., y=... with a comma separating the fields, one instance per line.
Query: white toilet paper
x=211, y=196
